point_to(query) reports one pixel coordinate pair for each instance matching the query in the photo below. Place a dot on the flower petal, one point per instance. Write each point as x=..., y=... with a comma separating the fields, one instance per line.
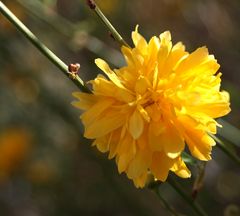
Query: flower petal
x=85, y=100
x=123, y=159
x=139, y=164
x=140, y=181
x=106, y=69
x=180, y=168
x=93, y=113
x=154, y=131
x=161, y=165
x=104, y=125
x=102, y=144
x=189, y=65
x=136, y=125
x=138, y=40
x=173, y=144
x=199, y=142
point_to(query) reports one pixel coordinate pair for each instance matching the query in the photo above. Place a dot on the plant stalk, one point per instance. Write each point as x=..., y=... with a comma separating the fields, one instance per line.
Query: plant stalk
x=193, y=204
x=41, y=47
x=227, y=151
x=92, y=4
x=155, y=188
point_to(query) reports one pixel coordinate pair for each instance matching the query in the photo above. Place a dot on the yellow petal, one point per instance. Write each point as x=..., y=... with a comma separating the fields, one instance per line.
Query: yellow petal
x=154, y=131
x=104, y=125
x=177, y=54
x=161, y=165
x=141, y=85
x=142, y=141
x=93, y=113
x=165, y=37
x=198, y=141
x=136, y=124
x=125, y=144
x=139, y=164
x=85, y=100
x=112, y=149
x=164, y=50
x=154, y=45
x=127, y=52
x=102, y=144
x=214, y=110
x=180, y=168
x=144, y=113
x=106, y=69
x=138, y=40
x=192, y=61
x=102, y=86
x=155, y=76
x=140, y=181
x=124, y=159
x=111, y=141
x=151, y=59
x=173, y=144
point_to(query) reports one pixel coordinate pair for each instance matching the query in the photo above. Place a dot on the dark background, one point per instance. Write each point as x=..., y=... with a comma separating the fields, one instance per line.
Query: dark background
x=46, y=167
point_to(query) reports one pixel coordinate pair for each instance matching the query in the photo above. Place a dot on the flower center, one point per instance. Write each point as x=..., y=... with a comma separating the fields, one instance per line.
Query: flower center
x=148, y=103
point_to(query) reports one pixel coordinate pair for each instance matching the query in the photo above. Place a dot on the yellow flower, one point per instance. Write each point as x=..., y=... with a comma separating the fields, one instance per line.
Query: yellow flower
x=15, y=144
x=145, y=112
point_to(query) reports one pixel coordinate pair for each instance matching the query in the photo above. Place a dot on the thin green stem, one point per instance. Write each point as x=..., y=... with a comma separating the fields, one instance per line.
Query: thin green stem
x=193, y=204
x=114, y=32
x=229, y=132
x=155, y=188
x=226, y=150
x=198, y=183
x=68, y=29
x=42, y=12
x=41, y=47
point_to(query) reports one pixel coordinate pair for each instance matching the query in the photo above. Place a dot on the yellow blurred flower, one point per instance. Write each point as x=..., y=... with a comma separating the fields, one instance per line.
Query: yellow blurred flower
x=17, y=10
x=14, y=147
x=41, y=171
x=108, y=6
x=145, y=112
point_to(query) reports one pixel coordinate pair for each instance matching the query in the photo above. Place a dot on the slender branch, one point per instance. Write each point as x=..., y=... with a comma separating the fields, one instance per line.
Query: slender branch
x=68, y=29
x=193, y=204
x=198, y=183
x=229, y=132
x=227, y=151
x=154, y=186
x=114, y=32
x=41, y=11
x=41, y=47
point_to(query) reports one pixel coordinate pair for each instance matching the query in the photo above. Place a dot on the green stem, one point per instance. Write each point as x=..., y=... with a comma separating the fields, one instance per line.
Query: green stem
x=41, y=47
x=107, y=23
x=193, y=204
x=198, y=183
x=41, y=11
x=68, y=29
x=155, y=188
x=227, y=151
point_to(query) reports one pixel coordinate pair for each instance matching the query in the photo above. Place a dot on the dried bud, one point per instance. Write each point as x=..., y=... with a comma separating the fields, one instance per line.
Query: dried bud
x=91, y=4
x=73, y=68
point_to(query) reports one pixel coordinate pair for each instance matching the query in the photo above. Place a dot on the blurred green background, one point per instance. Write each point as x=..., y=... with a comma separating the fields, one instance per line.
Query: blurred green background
x=46, y=167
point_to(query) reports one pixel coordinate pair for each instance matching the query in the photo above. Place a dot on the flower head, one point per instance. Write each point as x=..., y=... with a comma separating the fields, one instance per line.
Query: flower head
x=143, y=114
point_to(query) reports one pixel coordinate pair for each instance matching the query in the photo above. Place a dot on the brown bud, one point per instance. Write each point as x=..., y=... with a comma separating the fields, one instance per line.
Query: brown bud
x=73, y=68
x=91, y=4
